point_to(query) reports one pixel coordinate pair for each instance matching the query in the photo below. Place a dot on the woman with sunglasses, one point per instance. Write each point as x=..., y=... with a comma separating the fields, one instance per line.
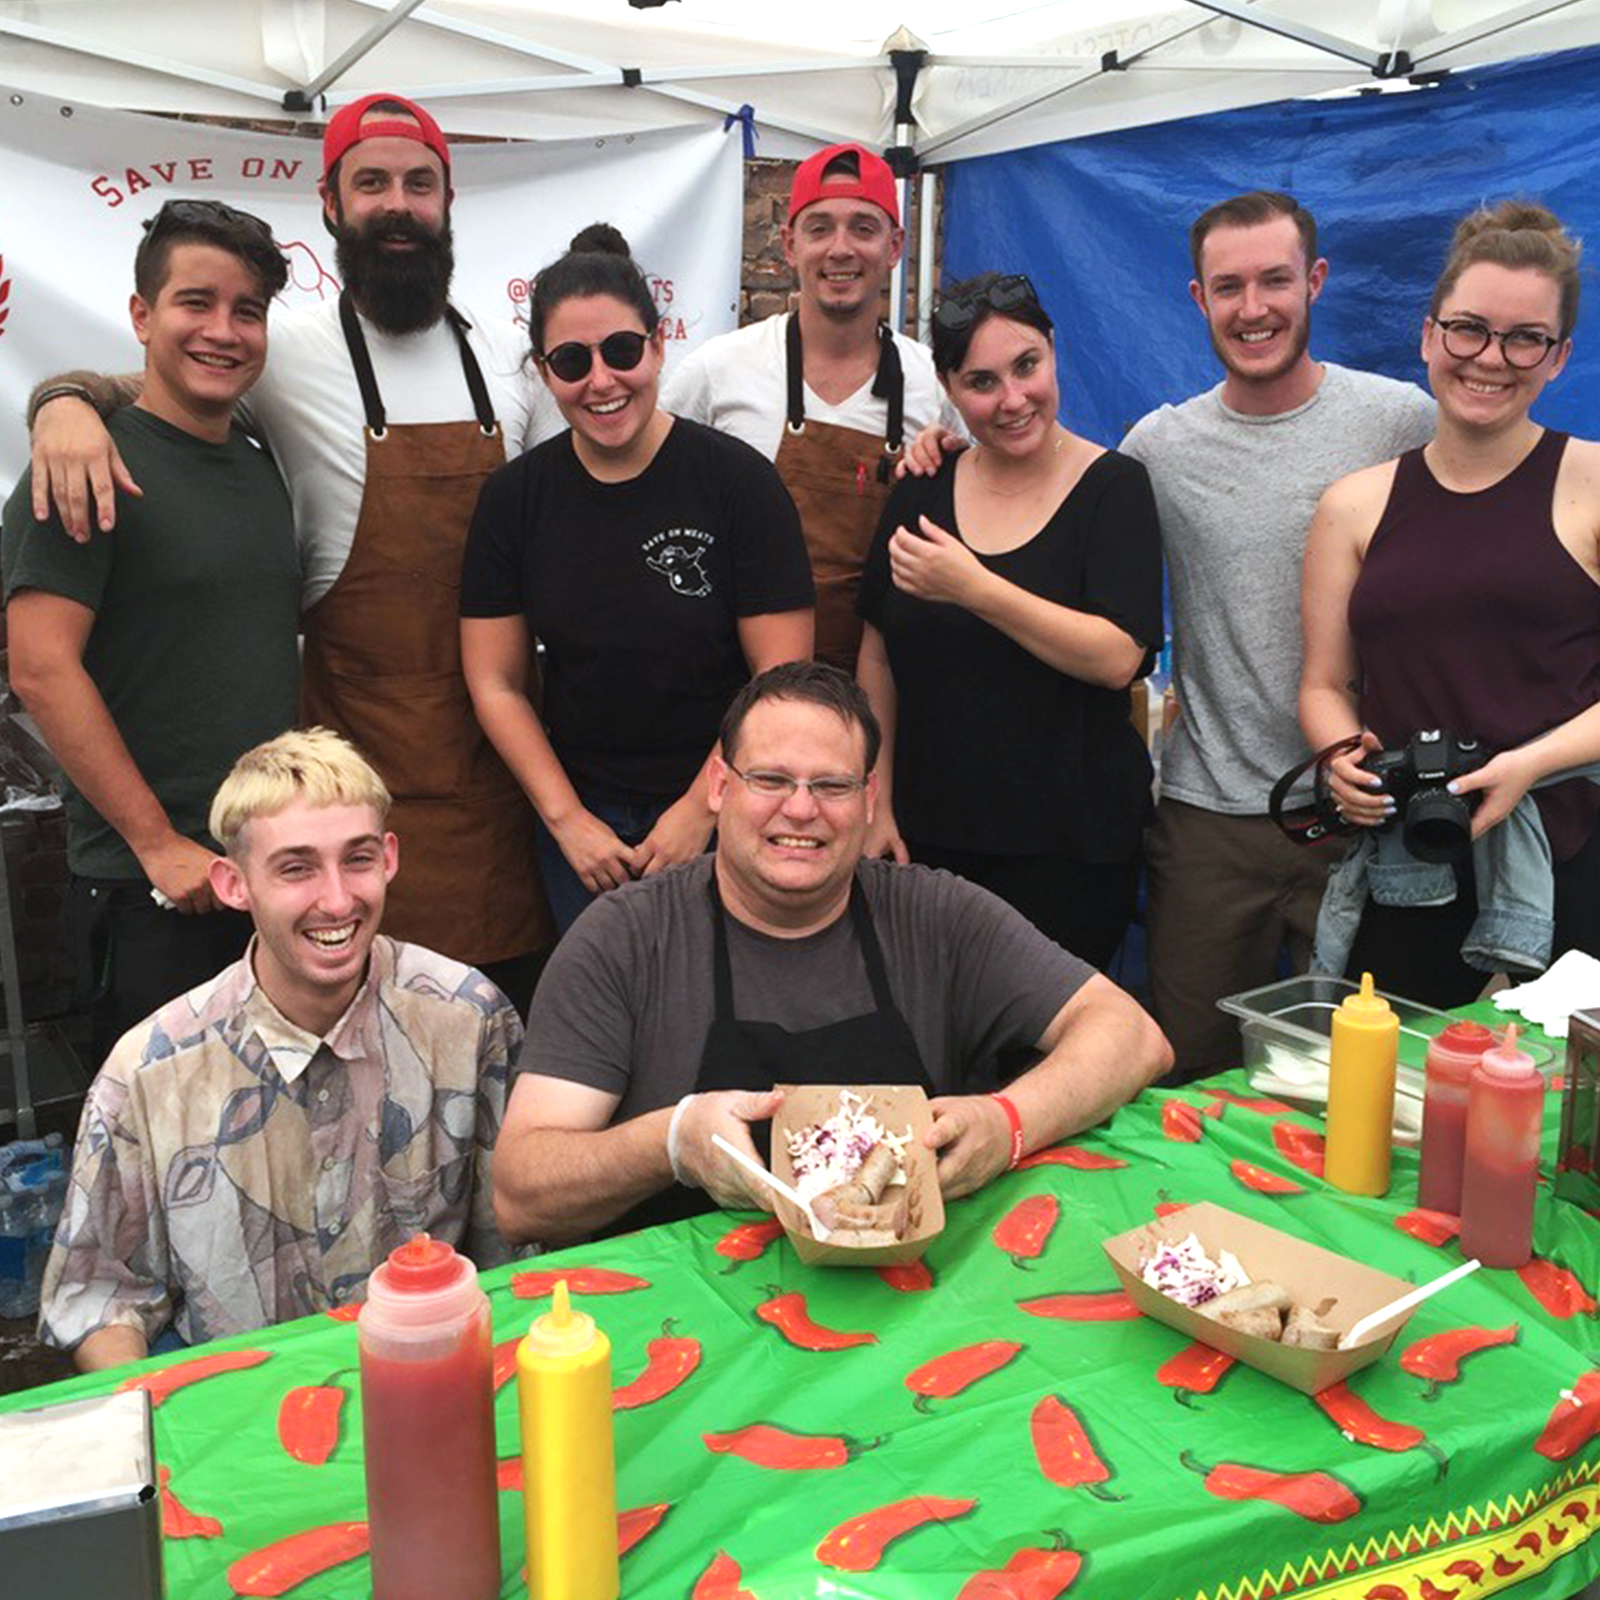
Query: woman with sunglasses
x=1010, y=600
x=1459, y=588
x=658, y=562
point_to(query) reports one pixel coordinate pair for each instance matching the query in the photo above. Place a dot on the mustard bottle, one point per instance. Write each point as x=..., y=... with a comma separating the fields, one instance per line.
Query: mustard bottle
x=569, y=1484
x=1366, y=1043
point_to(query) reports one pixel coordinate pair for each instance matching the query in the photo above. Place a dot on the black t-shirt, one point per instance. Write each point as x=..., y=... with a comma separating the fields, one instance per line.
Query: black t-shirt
x=636, y=590
x=995, y=750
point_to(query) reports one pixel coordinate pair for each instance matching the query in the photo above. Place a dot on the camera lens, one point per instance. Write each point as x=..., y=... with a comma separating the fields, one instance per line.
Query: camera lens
x=1437, y=827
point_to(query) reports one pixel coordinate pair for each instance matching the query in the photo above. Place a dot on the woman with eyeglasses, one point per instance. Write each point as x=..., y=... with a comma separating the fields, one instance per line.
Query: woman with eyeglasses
x=659, y=563
x=1010, y=600
x=1458, y=588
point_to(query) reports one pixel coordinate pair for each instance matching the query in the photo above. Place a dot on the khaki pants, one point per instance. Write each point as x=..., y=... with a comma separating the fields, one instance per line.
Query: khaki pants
x=1225, y=895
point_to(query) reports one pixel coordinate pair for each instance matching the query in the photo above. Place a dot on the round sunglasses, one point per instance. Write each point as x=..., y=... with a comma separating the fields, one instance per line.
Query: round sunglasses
x=571, y=362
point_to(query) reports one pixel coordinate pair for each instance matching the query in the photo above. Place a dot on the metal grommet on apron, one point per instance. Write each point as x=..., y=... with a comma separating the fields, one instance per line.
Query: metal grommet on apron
x=840, y=479
x=382, y=665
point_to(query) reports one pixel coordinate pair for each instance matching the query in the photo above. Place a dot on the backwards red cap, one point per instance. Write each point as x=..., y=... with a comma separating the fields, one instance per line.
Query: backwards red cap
x=345, y=128
x=875, y=182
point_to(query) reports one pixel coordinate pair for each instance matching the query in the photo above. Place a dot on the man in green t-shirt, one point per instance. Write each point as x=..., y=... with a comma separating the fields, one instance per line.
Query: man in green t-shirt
x=153, y=657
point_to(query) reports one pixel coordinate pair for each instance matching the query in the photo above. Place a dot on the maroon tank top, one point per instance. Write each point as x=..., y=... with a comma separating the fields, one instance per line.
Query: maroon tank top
x=1470, y=614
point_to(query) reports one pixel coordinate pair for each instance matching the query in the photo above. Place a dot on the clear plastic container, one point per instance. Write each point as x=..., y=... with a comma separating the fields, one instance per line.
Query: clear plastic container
x=13, y=1259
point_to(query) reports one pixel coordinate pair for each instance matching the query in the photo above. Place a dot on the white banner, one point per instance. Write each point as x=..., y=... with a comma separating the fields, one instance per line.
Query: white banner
x=80, y=180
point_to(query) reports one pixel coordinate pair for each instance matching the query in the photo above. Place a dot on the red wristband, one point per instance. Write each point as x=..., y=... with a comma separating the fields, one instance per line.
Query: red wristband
x=1016, y=1130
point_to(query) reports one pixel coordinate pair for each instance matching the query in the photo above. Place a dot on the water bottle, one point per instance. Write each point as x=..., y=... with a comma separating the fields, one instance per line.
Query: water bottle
x=13, y=1257
x=48, y=1198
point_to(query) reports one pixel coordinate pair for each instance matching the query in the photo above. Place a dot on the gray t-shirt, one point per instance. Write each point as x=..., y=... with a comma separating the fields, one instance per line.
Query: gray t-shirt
x=1237, y=494
x=626, y=1000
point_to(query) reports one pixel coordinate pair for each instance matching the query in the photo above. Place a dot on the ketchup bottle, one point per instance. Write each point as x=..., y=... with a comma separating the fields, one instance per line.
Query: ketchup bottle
x=1451, y=1057
x=427, y=1403
x=1361, y=1068
x=1505, y=1115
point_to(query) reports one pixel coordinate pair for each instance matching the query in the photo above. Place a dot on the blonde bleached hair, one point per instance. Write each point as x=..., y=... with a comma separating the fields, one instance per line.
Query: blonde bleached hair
x=1523, y=236
x=311, y=764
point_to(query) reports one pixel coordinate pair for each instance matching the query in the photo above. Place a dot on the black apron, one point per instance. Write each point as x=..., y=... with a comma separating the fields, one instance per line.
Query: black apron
x=875, y=1047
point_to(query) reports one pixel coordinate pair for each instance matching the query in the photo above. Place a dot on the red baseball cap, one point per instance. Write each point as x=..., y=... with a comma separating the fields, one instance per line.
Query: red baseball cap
x=874, y=181
x=345, y=129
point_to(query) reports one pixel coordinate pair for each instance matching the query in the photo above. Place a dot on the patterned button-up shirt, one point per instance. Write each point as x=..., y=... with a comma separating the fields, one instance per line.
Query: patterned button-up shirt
x=233, y=1170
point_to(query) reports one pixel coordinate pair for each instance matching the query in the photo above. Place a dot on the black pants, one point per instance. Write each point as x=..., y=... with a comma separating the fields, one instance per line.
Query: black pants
x=133, y=957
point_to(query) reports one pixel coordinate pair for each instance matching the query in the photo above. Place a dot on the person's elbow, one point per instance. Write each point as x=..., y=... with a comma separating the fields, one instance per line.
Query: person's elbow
x=1150, y=1052
x=1119, y=659
x=35, y=676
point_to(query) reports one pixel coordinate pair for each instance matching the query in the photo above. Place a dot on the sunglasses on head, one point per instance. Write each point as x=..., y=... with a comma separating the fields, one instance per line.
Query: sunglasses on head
x=186, y=213
x=572, y=361
x=958, y=313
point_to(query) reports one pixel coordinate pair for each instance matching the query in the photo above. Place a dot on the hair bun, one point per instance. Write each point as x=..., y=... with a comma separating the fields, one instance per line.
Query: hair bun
x=600, y=239
x=1510, y=216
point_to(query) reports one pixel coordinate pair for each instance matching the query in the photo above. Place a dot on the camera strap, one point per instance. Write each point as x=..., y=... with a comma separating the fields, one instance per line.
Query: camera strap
x=1320, y=819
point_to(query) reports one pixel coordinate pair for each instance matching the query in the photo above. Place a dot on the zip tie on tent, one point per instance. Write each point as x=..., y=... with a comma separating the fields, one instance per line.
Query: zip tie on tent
x=745, y=116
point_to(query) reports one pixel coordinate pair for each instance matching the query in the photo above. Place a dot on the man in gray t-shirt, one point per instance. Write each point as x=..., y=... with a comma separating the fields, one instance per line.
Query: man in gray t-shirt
x=1237, y=473
x=675, y=1004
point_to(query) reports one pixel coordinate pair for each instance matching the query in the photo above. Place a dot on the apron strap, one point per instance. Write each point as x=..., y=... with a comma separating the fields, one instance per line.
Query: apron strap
x=795, y=373
x=366, y=379
x=890, y=385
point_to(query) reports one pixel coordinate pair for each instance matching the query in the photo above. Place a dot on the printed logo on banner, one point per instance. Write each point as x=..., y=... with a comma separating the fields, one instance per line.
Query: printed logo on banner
x=674, y=325
x=307, y=275
x=5, y=296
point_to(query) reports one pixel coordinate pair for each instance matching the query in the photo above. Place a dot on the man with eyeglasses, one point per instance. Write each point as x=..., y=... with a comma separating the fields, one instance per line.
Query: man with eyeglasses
x=152, y=659
x=1237, y=473
x=676, y=1003
x=826, y=392
x=386, y=409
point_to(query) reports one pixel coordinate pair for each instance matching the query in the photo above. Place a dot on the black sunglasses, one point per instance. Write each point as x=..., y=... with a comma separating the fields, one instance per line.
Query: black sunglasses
x=957, y=314
x=186, y=213
x=571, y=361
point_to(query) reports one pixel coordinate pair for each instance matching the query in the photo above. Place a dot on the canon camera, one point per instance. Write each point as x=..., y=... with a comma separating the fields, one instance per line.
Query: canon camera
x=1435, y=824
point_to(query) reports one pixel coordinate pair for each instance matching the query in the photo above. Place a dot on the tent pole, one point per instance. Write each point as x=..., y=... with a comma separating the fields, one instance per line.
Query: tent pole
x=374, y=36
x=927, y=232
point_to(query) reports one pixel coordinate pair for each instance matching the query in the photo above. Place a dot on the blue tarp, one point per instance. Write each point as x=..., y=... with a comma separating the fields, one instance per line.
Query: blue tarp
x=1101, y=225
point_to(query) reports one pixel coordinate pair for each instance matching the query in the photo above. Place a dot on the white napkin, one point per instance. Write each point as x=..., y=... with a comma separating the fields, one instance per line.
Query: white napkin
x=1571, y=984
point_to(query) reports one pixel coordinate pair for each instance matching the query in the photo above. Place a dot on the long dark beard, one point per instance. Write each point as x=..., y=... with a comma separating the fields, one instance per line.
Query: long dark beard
x=400, y=292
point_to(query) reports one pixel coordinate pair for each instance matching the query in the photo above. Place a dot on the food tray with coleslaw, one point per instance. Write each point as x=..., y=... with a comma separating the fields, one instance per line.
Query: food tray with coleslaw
x=855, y=1152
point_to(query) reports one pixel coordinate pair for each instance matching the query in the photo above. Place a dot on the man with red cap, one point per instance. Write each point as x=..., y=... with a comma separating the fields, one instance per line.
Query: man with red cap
x=827, y=392
x=386, y=409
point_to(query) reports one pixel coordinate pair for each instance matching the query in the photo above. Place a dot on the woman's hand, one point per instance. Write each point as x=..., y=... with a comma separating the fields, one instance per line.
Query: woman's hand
x=594, y=852
x=934, y=565
x=680, y=834
x=1354, y=789
x=1502, y=782
x=883, y=837
x=925, y=454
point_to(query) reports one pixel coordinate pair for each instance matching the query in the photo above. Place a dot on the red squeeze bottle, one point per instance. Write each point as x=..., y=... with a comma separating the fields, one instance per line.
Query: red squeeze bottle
x=1505, y=1113
x=1451, y=1057
x=427, y=1403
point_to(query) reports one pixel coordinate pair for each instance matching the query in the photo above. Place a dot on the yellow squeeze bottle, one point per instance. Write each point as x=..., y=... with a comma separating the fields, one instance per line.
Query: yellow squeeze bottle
x=569, y=1480
x=1366, y=1043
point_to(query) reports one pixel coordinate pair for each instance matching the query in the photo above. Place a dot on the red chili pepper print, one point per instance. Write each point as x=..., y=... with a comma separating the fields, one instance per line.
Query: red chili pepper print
x=910, y=1277
x=957, y=1370
x=1574, y=1420
x=276, y=1568
x=1262, y=1181
x=1427, y=1590
x=505, y=1363
x=1111, y=1306
x=748, y=1241
x=308, y=1421
x=343, y=1313
x=1386, y=1591
x=1437, y=1359
x=720, y=1581
x=763, y=1444
x=638, y=1524
x=1316, y=1496
x=1359, y=1423
x=161, y=1386
x=178, y=1521
x=1465, y=1568
x=787, y=1313
x=1196, y=1369
x=1305, y=1147
x=858, y=1544
x=1431, y=1227
x=1070, y=1155
x=1031, y=1574
x=1267, y=1108
x=1556, y=1289
x=1166, y=1208
x=580, y=1280
x=668, y=1363
x=1024, y=1231
x=1180, y=1121
x=508, y=1474
x=1504, y=1566
x=1062, y=1448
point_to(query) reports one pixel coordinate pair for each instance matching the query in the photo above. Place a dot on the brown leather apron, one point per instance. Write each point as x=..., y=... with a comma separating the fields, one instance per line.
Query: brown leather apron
x=840, y=480
x=383, y=666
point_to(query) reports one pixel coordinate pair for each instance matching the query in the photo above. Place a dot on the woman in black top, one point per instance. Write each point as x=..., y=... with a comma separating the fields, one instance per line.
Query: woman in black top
x=1010, y=601
x=659, y=563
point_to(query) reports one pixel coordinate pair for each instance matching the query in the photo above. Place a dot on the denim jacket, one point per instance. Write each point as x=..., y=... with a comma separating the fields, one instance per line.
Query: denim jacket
x=1516, y=890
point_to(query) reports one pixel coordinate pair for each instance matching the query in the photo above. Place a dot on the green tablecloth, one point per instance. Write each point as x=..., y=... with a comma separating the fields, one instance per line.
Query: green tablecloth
x=1137, y=1467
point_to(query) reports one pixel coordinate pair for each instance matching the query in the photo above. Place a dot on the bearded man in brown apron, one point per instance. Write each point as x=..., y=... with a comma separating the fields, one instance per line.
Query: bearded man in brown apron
x=826, y=391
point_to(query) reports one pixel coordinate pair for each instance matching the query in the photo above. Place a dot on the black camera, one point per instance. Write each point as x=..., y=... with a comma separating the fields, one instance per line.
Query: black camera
x=1435, y=824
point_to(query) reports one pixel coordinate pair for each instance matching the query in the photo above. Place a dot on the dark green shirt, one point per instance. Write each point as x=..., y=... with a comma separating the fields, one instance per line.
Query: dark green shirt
x=196, y=596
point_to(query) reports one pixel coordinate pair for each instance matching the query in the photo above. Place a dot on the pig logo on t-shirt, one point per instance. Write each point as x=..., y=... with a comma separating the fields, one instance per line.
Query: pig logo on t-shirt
x=679, y=562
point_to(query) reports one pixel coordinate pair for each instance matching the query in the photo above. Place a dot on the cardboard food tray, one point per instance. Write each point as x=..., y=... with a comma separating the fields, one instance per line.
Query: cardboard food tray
x=897, y=1107
x=1339, y=1290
